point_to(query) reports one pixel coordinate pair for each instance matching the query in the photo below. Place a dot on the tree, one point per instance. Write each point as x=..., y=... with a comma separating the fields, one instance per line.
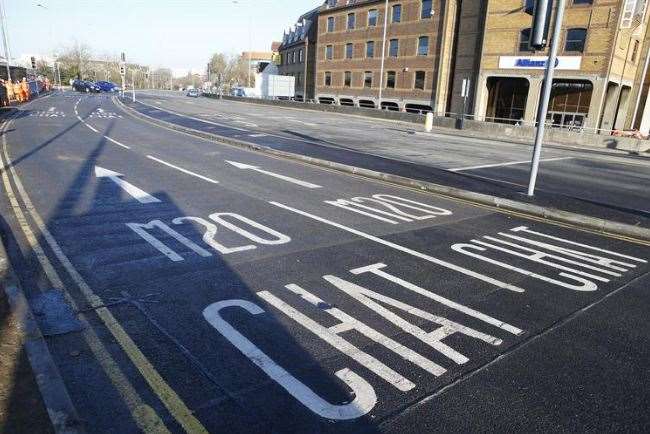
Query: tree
x=238, y=71
x=75, y=61
x=218, y=68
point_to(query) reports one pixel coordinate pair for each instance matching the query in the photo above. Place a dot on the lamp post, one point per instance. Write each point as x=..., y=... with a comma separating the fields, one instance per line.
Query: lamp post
x=5, y=40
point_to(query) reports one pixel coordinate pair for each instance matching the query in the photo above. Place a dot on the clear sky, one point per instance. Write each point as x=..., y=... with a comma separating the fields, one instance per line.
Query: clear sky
x=178, y=34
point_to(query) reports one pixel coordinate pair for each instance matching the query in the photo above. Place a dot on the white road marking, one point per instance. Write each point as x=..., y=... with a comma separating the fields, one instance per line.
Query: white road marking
x=140, y=195
x=417, y=254
x=275, y=175
x=258, y=135
x=180, y=169
x=193, y=118
x=364, y=394
x=511, y=163
x=117, y=143
x=91, y=127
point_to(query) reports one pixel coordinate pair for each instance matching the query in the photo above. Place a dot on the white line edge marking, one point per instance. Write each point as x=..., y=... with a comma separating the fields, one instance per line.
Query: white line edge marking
x=511, y=163
x=91, y=127
x=415, y=253
x=205, y=178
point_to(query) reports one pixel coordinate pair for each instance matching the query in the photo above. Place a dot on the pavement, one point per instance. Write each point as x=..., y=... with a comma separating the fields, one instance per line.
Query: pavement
x=221, y=289
x=595, y=182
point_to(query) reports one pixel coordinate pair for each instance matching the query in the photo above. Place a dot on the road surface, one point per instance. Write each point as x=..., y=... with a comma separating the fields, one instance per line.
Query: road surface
x=224, y=290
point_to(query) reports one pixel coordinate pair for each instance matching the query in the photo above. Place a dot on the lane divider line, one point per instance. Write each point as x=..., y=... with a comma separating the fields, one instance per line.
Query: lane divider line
x=412, y=252
x=144, y=415
x=510, y=163
x=117, y=143
x=180, y=169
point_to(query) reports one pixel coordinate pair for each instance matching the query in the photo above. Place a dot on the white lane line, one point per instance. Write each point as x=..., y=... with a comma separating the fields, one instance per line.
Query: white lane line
x=205, y=178
x=91, y=127
x=193, y=118
x=273, y=174
x=258, y=135
x=117, y=143
x=511, y=163
x=417, y=254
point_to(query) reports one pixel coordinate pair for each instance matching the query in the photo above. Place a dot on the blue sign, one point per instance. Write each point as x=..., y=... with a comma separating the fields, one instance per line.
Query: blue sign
x=530, y=63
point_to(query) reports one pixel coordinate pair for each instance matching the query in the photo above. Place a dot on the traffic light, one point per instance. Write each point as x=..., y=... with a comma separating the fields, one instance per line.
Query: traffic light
x=122, y=70
x=33, y=59
x=541, y=24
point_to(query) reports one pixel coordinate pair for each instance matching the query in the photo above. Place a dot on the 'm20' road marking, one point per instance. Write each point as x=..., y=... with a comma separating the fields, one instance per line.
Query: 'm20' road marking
x=390, y=209
x=142, y=229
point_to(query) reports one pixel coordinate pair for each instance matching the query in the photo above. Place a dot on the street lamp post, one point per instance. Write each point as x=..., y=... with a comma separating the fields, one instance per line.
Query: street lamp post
x=5, y=40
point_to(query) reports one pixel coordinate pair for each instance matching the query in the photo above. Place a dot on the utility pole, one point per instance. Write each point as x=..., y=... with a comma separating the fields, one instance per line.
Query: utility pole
x=5, y=40
x=383, y=54
x=541, y=19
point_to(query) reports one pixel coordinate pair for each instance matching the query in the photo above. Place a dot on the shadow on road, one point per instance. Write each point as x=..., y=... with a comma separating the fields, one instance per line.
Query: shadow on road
x=160, y=303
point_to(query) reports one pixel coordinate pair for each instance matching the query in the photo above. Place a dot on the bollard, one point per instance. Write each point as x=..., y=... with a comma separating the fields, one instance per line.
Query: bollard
x=428, y=122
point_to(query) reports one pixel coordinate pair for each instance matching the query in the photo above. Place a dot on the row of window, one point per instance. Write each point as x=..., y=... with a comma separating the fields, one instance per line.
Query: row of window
x=426, y=12
x=419, y=79
x=296, y=56
x=575, y=40
x=393, y=49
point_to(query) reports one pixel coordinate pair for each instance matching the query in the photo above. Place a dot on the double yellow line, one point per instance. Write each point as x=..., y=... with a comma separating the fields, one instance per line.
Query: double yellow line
x=143, y=415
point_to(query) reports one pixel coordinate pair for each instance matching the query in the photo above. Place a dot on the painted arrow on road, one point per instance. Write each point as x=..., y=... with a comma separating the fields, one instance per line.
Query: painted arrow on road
x=275, y=175
x=139, y=195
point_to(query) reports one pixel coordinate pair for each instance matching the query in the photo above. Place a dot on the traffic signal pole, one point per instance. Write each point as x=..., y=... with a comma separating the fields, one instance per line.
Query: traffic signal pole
x=546, y=96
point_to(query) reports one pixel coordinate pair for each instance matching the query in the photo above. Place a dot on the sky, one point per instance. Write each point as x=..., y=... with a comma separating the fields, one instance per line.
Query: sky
x=176, y=34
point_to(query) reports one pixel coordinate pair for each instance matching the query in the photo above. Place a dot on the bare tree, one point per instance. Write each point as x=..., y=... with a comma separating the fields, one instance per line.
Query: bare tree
x=75, y=61
x=218, y=68
x=237, y=71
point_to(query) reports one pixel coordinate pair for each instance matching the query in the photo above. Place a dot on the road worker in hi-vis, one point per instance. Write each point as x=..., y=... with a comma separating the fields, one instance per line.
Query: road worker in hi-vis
x=24, y=88
x=18, y=92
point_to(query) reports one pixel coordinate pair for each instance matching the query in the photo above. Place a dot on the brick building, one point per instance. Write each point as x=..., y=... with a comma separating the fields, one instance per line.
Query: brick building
x=417, y=54
x=599, y=58
x=436, y=48
x=298, y=54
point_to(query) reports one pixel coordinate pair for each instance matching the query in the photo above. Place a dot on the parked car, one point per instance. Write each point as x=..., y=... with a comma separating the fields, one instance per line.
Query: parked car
x=194, y=93
x=85, y=86
x=107, y=86
x=237, y=91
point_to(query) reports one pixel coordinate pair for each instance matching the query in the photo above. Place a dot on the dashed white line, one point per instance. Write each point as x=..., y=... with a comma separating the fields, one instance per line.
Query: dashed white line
x=258, y=135
x=511, y=163
x=205, y=178
x=91, y=127
x=117, y=143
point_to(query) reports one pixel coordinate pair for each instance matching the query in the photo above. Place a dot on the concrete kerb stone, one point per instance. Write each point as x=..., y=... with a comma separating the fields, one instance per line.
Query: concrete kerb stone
x=559, y=216
x=63, y=415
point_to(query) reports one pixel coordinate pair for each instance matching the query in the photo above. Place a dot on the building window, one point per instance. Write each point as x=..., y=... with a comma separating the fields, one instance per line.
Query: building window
x=575, y=40
x=372, y=17
x=293, y=57
x=419, y=79
x=300, y=55
x=390, y=80
x=397, y=14
x=529, y=6
x=635, y=51
x=370, y=49
x=347, y=78
x=367, y=79
x=328, y=79
x=393, y=48
x=330, y=24
x=352, y=19
x=427, y=9
x=298, y=79
x=524, y=40
x=583, y=2
x=423, y=46
x=329, y=52
x=349, y=48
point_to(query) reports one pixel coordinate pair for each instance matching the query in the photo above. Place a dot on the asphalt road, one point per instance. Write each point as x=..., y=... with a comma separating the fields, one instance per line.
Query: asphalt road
x=613, y=181
x=223, y=290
